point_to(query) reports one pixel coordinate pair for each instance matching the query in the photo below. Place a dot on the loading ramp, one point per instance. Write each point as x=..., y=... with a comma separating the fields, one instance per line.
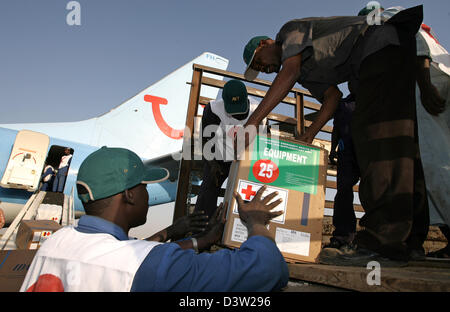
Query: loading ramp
x=417, y=276
x=30, y=210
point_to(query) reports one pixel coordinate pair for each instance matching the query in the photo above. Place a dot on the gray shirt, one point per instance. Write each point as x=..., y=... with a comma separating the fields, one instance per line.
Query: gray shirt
x=332, y=48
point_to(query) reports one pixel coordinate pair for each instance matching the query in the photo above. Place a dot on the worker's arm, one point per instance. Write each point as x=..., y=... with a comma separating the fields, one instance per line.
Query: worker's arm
x=210, y=235
x=2, y=219
x=257, y=265
x=195, y=222
x=334, y=143
x=283, y=83
x=329, y=105
x=209, y=119
x=429, y=95
x=256, y=214
x=210, y=122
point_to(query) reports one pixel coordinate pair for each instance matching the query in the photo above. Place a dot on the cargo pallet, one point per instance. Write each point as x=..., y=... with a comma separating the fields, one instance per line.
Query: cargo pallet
x=417, y=276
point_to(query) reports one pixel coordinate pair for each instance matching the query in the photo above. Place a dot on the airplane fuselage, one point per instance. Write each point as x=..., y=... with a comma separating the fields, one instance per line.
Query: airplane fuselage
x=158, y=193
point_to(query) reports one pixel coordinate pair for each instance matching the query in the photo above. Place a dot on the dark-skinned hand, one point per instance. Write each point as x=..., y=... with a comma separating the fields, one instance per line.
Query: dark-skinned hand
x=2, y=219
x=433, y=103
x=195, y=222
x=214, y=230
x=333, y=158
x=257, y=211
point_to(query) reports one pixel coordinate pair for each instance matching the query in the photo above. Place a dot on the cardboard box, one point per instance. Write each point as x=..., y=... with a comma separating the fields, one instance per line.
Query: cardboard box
x=49, y=212
x=14, y=266
x=32, y=233
x=298, y=172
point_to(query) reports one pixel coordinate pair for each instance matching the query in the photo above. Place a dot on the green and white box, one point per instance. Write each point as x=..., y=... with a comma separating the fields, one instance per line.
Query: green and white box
x=297, y=171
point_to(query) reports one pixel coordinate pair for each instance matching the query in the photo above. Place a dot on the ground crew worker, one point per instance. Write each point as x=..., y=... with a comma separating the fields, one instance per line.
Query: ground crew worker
x=98, y=255
x=344, y=219
x=433, y=121
x=220, y=121
x=63, y=170
x=378, y=61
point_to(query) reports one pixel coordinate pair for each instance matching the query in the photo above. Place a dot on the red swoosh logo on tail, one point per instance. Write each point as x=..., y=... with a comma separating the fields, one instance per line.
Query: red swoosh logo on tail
x=160, y=122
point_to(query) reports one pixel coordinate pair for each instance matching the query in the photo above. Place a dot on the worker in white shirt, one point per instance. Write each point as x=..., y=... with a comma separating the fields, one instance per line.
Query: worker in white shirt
x=63, y=169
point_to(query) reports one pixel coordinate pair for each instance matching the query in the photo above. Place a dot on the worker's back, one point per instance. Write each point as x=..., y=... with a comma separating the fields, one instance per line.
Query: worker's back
x=74, y=261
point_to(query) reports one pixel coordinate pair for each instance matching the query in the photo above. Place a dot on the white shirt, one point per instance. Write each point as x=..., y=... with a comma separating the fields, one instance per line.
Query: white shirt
x=70, y=260
x=64, y=161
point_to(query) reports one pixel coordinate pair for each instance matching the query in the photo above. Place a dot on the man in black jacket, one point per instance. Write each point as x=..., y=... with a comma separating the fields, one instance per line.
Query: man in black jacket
x=378, y=61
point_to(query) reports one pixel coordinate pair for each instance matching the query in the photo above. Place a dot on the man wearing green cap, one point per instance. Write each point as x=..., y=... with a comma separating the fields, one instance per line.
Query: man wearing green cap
x=220, y=121
x=98, y=255
x=378, y=62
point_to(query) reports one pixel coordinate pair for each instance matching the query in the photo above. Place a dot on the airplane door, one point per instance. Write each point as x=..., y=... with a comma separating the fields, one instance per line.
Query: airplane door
x=26, y=161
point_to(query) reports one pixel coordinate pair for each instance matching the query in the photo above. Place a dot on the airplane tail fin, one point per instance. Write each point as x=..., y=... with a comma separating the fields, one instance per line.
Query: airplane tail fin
x=152, y=122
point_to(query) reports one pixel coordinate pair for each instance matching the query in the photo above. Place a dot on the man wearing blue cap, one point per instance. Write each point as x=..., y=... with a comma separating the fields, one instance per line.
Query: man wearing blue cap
x=378, y=61
x=98, y=255
x=221, y=117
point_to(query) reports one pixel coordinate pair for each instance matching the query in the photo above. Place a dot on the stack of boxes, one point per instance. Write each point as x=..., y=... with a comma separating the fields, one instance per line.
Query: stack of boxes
x=33, y=233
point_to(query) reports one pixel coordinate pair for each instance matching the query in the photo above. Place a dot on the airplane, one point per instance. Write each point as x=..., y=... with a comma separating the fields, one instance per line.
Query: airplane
x=150, y=123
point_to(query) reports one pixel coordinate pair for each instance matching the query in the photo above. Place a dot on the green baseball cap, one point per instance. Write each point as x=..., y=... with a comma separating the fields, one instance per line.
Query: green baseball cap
x=235, y=97
x=109, y=171
x=249, y=54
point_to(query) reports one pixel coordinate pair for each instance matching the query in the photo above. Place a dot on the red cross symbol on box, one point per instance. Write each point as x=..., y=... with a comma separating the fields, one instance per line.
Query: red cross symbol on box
x=248, y=192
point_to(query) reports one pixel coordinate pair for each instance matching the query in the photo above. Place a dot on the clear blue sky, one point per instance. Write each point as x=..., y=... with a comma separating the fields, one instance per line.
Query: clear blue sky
x=50, y=71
